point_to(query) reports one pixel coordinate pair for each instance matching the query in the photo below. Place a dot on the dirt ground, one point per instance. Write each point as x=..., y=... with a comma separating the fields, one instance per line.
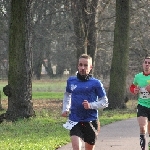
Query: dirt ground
x=40, y=104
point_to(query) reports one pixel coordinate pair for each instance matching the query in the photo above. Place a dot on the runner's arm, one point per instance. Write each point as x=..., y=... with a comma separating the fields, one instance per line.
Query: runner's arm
x=101, y=103
x=66, y=101
x=134, y=89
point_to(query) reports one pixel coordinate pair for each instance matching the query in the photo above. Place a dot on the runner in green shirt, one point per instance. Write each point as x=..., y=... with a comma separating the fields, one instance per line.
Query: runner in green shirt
x=141, y=86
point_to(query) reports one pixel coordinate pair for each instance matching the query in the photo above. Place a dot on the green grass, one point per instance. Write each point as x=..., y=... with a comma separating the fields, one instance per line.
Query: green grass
x=50, y=89
x=49, y=86
x=47, y=95
x=40, y=133
x=45, y=131
x=111, y=116
x=43, y=95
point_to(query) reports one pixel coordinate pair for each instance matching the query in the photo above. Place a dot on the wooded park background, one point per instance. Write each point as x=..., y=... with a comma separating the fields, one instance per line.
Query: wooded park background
x=52, y=34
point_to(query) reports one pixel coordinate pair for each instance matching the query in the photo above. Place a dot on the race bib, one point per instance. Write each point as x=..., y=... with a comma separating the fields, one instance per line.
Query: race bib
x=69, y=124
x=144, y=94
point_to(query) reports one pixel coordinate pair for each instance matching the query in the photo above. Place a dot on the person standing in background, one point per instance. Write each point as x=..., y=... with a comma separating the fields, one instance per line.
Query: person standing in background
x=83, y=97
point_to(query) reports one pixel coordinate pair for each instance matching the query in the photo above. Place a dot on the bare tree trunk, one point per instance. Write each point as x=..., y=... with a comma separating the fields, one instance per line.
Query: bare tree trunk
x=118, y=72
x=1, y=101
x=19, y=88
x=84, y=17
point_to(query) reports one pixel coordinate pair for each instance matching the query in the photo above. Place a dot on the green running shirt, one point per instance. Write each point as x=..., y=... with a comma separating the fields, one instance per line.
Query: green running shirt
x=142, y=81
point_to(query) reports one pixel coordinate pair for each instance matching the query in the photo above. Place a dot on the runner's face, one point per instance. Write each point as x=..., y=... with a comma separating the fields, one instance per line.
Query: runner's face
x=146, y=66
x=84, y=66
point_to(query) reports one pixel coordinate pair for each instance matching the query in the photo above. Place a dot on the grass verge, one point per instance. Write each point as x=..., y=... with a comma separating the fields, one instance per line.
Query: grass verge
x=45, y=131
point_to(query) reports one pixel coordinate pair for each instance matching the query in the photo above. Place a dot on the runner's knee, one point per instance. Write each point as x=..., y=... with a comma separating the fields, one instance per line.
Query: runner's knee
x=143, y=121
x=143, y=125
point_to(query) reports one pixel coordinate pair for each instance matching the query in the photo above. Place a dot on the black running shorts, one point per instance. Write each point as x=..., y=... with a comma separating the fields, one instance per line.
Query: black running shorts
x=87, y=131
x=143, y=111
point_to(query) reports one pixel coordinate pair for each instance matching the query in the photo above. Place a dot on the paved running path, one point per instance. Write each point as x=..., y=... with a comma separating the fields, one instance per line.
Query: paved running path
x=121, y=135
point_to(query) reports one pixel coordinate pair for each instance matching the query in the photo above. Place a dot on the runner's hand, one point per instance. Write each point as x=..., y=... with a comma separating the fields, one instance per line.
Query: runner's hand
x=65, y=114
x=86, y=104
x=136, y=90
x=148, y=88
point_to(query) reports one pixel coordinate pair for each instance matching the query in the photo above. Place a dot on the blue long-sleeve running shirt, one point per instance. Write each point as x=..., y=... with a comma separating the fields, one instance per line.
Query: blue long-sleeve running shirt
x=90, y=90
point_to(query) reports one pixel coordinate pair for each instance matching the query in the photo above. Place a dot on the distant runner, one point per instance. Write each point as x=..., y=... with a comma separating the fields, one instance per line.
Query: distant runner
x=141, y=86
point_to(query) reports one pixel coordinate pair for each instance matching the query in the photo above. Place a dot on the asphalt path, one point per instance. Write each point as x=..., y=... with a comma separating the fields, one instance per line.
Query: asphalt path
x=121, y=135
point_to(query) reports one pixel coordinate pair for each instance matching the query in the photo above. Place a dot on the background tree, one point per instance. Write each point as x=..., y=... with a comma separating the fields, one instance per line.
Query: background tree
x=119, y=66
x=19, y=88
x=84, y=17
x=53, y=32
x=4, y=24
x=55, y=39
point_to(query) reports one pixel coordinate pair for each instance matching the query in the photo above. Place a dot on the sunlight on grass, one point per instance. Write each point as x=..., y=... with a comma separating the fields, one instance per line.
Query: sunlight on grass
x=36, y=133
x=49, y=86
x=47, y=95
x=45, y=131
x=110, y=116
x=51, y=89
